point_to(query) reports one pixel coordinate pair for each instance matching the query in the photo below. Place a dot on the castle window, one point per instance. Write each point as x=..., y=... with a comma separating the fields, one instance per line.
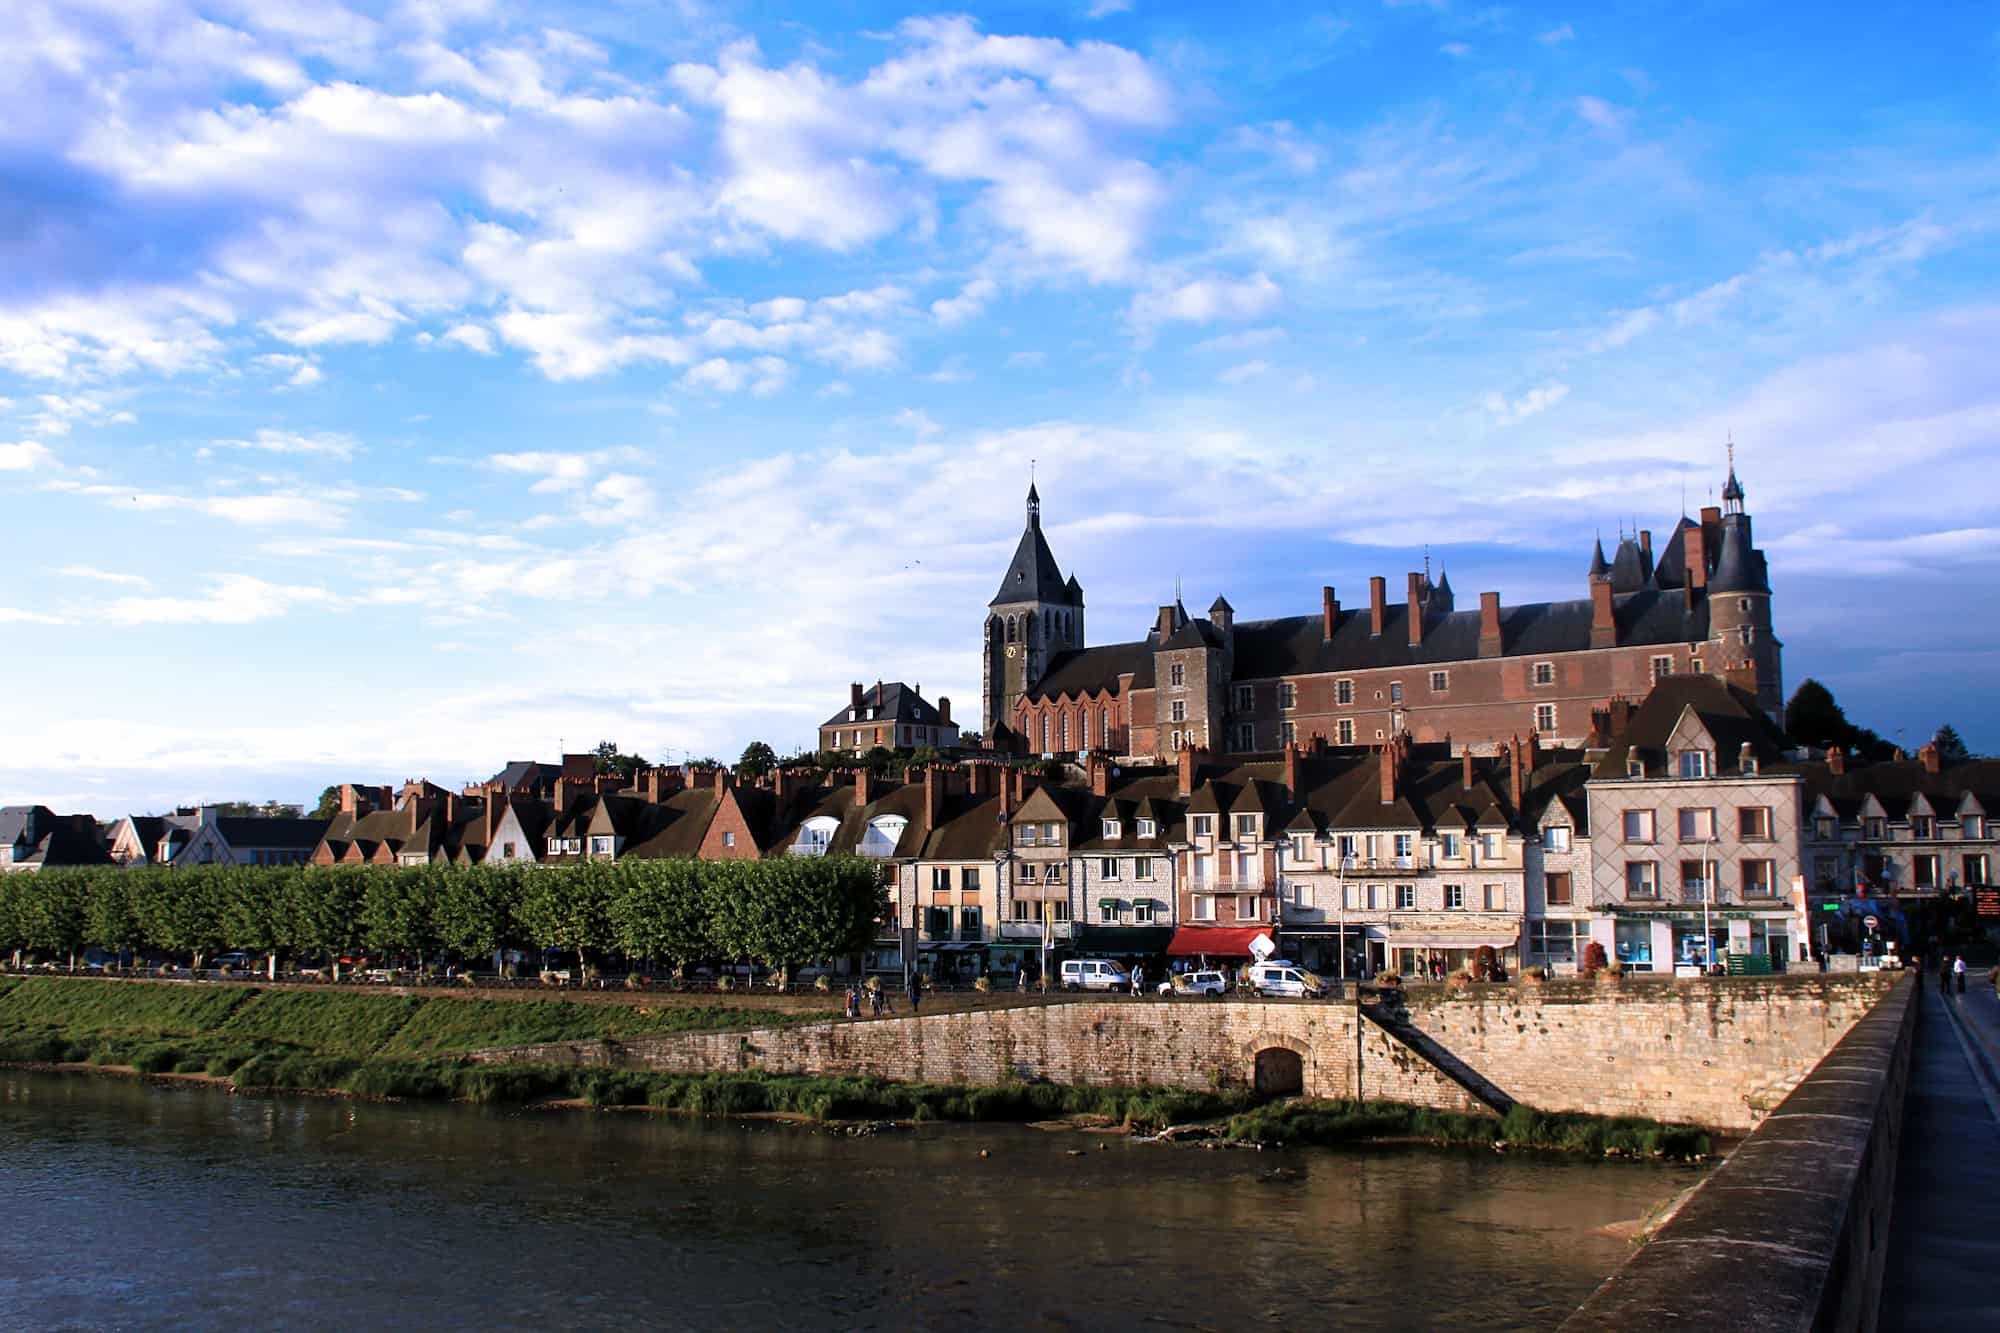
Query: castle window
x=1743, y=605
x=1104, y=728
x=1343, y=692
x=1246, y=736
x=1344, y=730
x=1874, y=828
x=1145, y=828
x=1395, y=691
x=1440, y=681
x=1246, y=698
x=1179, y=711
x=1922, y=826
x=1177, y=675
x=1748, y=634
x=1111, y=829
x=1545, y=673
x=1406, y=897
x=1662, y=668
x=1694, y=763
x=1289, y=733
x=1062, y=732
x=1454, y=897
x=1288, y=696
x=1545, y=717
x=1013, y=628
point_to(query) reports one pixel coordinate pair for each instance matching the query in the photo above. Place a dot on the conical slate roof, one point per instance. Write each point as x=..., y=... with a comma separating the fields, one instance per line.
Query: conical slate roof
x=1739, y=568
x=1598, y=566
x=1032, y=576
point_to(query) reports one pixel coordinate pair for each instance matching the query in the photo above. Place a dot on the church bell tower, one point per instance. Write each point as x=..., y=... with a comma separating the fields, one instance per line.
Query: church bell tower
x=1036, y=615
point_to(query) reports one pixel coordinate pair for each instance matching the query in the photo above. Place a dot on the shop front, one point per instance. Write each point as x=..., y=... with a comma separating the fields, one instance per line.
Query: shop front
x=1329, y=951
x=1220, y=944
x=1659, y=940
x=1122, y=942
x=1423, y=949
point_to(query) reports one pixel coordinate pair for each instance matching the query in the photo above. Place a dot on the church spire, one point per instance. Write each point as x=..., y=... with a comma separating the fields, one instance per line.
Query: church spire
x=1732, y=490
x=1034, y=505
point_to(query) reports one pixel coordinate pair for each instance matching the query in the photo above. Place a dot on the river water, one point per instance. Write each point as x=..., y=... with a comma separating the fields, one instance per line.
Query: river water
x=129, y=1205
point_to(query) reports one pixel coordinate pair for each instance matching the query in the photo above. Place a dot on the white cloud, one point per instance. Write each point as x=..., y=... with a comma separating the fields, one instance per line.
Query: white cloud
x=1204, y=300
x=13, y=615
x=25, y=456
x=1456, y=50
x=762, y=376
x=1101, y=9
x=1603, y=115
x=1557, y=35
x=472, y=337
x=1248, y=370
x=971, y=300
x=320, y=444
x=104, y=576
x=1533, y=403
x=235, y=599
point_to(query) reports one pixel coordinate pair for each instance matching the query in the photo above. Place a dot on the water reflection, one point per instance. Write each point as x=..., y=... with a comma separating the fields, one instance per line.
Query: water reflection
x=136, y=1205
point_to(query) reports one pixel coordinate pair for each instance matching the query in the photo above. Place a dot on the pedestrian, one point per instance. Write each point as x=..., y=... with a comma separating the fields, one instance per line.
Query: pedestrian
x=875, y=1003
x=1022, y=980
x=916, y=991
x=853, y=1003
x=1917, y=966
x=1958, y=971
x=1138, y=979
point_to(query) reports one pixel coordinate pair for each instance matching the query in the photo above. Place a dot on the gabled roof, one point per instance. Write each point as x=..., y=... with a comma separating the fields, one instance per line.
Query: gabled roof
x=44, y=838
x=241, y=831
x=675, y=826
x=1731, y=718
x=527, y=774
x=892, y=701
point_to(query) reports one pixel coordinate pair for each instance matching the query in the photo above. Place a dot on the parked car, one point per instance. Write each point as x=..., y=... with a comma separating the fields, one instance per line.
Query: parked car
x=232, y=959
x=1286, y=979
x=1212, y=982
x=1094, y=974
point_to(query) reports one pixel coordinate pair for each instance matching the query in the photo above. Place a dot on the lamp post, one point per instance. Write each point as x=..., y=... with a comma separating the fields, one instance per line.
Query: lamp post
x=1707, y=893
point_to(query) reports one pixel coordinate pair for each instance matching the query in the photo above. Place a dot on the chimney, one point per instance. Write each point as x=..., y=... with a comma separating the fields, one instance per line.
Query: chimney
x=861, y=787
x=579, y=768
x=1489, y=624
x=496, y=810
x=1007, y=802
x=854, y=698
x=1603, y=622
x=564, y=790
x=1378, y=607
x=349, y=800
x=781, y=786
x=981, y=775
x=1416, y=609
x=935, y=777
x=1391, y=755
x=1292, y=771
x=1646, y=552
x=1515, y=778
x=724, y=779
x=1694, y=548
x=1166, y=625
x=1836, y=761
x=1100, y=775
x=1185, y=786
x=454, y=806
x=1932, y=761
x=1465, y=758
x=1621, y=716
x=944, y=710
x=1329, y=614
x=1711, y=532
x=1534, y=760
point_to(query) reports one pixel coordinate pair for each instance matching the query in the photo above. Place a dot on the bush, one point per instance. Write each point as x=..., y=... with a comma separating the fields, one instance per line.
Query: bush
x=1593, y=959
x=823, y=984
x=984, y=985
x=725, y=982
x=633, y=981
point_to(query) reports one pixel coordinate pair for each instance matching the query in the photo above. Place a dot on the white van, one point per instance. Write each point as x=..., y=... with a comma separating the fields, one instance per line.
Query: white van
x=1285, y=979
x=1094, y=974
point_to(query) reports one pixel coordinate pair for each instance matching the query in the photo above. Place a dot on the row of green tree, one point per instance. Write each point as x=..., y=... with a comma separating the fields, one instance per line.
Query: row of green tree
x=782, y=913
x=1814, y=717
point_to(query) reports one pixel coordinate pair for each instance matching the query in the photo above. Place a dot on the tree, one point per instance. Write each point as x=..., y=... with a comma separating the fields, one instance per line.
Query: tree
x=792, y=910
x=757, y=760
x=329, y=804
x=1950, y=745
x=925, y=755
x=879, y=760
x=659, y=912
x=569, y=910
x=613, y=762
x=1814, y=718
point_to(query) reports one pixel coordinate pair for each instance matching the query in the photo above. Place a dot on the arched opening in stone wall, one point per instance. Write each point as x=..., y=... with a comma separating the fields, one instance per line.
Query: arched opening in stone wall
x=1279, y=1072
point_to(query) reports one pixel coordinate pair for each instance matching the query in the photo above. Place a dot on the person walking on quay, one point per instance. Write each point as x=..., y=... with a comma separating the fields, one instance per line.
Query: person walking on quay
x=875, y=1002
x=916, y=991
x=853, y=1003
x=1958, y=972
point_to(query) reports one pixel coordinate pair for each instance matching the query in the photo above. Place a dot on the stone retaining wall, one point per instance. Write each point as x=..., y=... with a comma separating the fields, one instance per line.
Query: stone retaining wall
x=1791, y=1232
x=1714, y=1053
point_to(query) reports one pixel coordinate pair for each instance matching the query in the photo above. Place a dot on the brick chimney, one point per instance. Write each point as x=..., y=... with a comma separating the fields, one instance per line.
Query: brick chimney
x=1006, y=792
x=1100, y=775
x=1932, y=761
x=944, y=710
x=1329, y=614
x=1465, y=761
x=1694, y=549
x=1186, y=758
x=579, y=768
x=1292, y=771
x=781, y=786
x=1646, y=552
x=1516, y=783
x=454, y=806
x=1489, y=624
x=854, y=696
x=1416, y=609
x=1166, y=625
x=1390, y=764
x=861, y=796
x=1378, y=604
x=1534, y=759
x=936, y=776
x=564, y=790
x=1621, y=715
x=350, y=800
x=1603, y=621
x=1711, y=532
x=1836, y=761
x=496, y=810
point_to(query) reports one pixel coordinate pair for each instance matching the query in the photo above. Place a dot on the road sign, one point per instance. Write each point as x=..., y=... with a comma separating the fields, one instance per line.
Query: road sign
x=1871, y=923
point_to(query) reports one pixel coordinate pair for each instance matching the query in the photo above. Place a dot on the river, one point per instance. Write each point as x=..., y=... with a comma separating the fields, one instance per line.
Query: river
x=132, y=1205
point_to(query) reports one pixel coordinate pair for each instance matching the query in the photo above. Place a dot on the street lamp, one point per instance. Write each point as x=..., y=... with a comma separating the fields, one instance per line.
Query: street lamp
x=1707, y=893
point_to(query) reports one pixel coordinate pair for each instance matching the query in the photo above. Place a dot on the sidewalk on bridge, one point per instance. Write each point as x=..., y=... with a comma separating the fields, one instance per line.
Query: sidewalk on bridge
x=1946, y=1216
x=1979, y=1013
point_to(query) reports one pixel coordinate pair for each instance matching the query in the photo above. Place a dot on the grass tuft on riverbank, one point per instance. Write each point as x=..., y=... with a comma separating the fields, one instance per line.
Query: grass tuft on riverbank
x=1331, y=1123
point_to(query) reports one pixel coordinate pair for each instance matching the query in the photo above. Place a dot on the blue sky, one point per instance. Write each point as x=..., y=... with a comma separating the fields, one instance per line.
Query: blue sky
x=401, y=388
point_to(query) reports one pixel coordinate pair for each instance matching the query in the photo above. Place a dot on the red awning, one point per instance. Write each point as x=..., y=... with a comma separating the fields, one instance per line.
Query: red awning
x=1214, y=941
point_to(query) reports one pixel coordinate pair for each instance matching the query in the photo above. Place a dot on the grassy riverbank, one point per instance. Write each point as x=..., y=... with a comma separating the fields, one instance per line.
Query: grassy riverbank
x=1345, y=1122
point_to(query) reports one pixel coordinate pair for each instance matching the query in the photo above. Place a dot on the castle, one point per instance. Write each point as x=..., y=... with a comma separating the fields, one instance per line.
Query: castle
x=1360, y=676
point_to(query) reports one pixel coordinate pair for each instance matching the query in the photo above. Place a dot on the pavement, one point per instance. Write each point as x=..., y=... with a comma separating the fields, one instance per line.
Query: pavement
x=1944, y=1243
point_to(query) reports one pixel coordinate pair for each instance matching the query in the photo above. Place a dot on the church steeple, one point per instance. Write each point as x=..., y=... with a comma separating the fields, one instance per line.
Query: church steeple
x=1732, y=490
x=1034, y=507
x=1035, y=616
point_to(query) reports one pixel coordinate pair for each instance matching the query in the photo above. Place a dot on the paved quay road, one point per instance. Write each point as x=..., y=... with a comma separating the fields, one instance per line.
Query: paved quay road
x=1944, y=1247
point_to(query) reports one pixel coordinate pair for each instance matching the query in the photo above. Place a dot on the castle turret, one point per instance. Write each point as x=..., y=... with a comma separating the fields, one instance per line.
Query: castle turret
x=1036, y=615
x=1739, y=602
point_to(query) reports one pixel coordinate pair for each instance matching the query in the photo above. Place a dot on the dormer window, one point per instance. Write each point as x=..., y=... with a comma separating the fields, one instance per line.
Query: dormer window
x=1246, y=827
x=1146, y=828
x=1448, y=846
x=1635, y=767
x=1301, y=846
x=1111, y=828
x=1874, y=828
x=1694, y=763
x=1201, y=826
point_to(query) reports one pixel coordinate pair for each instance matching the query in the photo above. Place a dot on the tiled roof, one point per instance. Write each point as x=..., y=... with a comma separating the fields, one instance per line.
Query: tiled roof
x=892, y=701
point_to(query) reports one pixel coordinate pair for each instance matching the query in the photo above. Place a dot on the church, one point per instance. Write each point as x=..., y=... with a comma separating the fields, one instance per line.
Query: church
x=1359, y=675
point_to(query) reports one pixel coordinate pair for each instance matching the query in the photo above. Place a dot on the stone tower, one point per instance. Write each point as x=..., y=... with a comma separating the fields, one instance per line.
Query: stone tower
x=1036, y=615
x=1739, y=603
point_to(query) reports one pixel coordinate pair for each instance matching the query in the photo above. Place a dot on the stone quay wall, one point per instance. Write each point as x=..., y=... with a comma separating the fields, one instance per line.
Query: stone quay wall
x=1719, y=1053
x=1715, y=1053
x=1792, y=1231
